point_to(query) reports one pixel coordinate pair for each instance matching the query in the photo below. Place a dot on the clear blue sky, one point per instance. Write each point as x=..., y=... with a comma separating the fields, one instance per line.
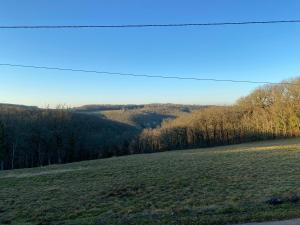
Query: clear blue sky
x=253, y=52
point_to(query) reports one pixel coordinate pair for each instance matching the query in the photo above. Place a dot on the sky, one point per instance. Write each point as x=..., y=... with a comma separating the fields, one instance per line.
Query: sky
x=250, y=52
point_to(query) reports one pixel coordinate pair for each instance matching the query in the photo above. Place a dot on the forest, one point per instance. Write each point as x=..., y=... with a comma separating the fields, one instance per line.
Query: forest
x=31, y=137
x=269, y=112
x=38, y=137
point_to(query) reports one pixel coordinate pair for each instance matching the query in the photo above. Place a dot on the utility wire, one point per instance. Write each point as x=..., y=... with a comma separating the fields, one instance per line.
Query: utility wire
x=147, y=25
x=144, y=75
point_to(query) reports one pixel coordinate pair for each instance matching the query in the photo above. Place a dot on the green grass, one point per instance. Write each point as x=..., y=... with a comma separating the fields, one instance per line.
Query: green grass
x=205, y=186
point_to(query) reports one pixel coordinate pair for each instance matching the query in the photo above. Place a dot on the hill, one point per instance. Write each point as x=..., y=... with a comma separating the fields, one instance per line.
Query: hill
x=5, y=106
x=140, y=116
x=210, y=186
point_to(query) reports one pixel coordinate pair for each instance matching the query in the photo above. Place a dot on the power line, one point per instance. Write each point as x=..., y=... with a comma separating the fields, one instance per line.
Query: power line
x=144, y=75
x=147, y=25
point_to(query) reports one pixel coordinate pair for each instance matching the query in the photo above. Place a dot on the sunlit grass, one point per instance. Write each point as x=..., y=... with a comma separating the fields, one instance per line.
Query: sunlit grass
x=205, y=186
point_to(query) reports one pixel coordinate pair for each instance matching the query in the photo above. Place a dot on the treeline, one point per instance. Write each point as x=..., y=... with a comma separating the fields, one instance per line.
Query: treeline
x=270, y=112
x=36, y=137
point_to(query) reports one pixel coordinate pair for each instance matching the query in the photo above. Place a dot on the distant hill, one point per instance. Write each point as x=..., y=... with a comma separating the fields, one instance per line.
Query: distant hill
x=140, y=116
x=96, y=108
x=17, y=107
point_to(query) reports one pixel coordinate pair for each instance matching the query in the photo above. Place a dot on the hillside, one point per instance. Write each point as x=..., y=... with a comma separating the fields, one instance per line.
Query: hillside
x=268, y=112
x=32, y=137
x=140, y=116
x=207, y=186
x=17, y=107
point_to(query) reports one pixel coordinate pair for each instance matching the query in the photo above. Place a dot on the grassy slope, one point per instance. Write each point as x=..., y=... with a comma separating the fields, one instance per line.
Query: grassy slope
x=207, y=186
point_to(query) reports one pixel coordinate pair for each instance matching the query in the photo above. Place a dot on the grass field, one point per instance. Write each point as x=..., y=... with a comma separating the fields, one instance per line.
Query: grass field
x=221, y=185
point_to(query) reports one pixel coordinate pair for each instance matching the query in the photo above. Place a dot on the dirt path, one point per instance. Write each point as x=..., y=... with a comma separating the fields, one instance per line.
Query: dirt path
x=283, y=222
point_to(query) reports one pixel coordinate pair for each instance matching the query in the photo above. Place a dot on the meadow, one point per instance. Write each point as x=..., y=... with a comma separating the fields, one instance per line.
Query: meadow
x=211, y=186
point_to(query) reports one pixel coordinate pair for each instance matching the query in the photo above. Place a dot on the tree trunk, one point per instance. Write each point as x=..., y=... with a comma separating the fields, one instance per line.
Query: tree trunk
x=13, y=156
x=1, y=165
